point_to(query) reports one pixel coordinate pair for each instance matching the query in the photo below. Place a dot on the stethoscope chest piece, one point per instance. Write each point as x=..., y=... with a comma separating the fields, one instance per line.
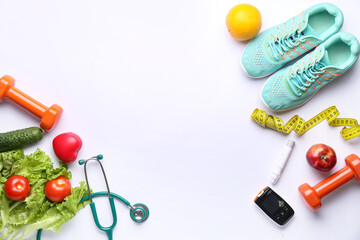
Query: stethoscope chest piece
x=139, y=212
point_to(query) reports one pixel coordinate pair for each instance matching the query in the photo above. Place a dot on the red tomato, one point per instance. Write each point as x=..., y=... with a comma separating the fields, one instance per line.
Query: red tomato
x=17, y=187
x=58, y=189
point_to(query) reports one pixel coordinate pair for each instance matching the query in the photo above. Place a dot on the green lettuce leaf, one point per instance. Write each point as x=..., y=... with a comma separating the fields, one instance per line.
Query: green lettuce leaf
x=4, y=209
x=7, y=163
x=36, y=211
x=56, y=215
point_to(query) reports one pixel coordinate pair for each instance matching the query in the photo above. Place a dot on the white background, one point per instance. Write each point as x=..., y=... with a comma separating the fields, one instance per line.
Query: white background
x=157, y=88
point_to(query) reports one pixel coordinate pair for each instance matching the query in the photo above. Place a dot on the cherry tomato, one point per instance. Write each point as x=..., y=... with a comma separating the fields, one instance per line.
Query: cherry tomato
x=58, y=189
x=17, y=187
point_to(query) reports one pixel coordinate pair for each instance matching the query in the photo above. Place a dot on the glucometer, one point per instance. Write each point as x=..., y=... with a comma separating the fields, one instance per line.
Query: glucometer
x=274, y=206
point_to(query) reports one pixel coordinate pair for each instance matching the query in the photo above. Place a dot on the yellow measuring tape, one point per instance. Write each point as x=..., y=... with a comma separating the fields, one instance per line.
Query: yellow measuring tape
x=351, y=128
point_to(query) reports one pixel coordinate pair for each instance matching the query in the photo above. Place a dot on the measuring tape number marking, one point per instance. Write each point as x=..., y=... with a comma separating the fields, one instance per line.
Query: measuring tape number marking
x=351, y=128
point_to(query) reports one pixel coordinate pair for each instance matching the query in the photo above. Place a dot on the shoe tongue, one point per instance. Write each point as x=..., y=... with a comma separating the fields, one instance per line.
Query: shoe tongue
x=325, y=59
x=309, y=31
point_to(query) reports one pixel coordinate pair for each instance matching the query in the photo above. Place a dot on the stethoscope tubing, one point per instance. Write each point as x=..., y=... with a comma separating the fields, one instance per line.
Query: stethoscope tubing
x=96, y=194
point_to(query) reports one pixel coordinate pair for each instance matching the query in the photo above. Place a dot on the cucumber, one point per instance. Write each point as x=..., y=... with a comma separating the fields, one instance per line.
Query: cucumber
x=19, y=138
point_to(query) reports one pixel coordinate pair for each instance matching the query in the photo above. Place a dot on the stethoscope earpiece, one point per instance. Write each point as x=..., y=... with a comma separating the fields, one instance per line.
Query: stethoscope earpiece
x=139, y=212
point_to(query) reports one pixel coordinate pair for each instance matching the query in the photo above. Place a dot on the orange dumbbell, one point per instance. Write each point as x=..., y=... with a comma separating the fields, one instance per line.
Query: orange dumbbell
x=312, y=195
x=49, y=115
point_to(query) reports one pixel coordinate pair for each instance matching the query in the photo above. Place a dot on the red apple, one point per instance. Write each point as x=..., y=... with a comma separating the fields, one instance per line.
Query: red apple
x=321, y=157
x=66, y=146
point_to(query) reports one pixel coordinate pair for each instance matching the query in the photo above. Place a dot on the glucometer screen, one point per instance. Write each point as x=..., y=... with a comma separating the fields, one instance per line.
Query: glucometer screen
x=274, y=206
x=271, y=204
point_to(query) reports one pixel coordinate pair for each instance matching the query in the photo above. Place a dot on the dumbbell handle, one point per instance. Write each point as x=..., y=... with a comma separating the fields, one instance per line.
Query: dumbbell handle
x=49, y=115
x=26, y=102
x=334, y=181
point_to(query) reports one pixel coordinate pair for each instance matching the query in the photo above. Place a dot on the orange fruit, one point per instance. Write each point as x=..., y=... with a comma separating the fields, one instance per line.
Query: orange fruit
x=243, y=22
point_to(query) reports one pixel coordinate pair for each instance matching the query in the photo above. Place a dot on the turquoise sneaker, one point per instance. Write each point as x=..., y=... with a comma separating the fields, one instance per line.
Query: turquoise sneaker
x=296, y=84
x=273, y=48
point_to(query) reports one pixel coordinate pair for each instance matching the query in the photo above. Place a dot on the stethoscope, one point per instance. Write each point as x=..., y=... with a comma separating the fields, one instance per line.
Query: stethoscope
x=139, y=212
